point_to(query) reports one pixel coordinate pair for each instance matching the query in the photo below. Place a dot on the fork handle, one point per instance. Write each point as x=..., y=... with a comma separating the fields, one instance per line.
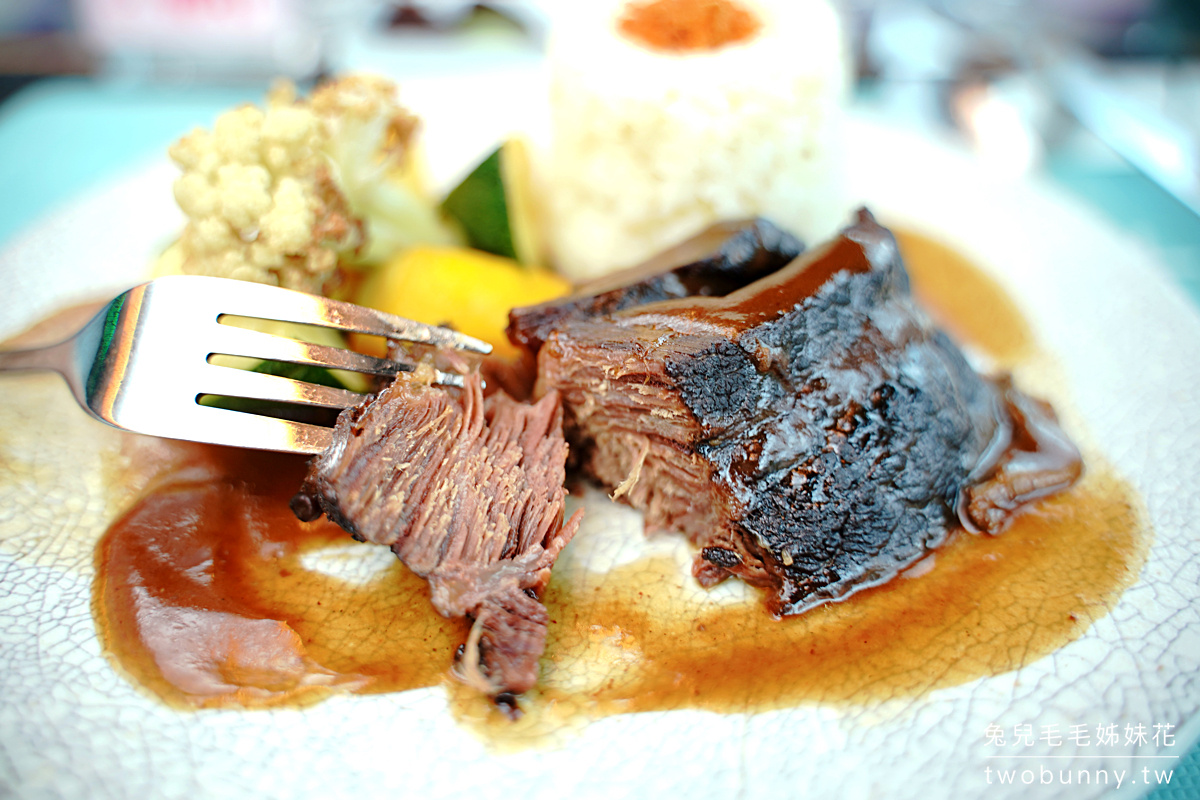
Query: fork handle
x=52, y=357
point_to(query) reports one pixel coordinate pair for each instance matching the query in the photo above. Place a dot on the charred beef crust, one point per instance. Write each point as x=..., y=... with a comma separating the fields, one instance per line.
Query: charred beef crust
x=468, y=492
x=812, y=432
x=842, y=468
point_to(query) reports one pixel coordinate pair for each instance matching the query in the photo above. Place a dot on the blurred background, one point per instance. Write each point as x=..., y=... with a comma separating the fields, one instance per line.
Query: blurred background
x=1101, y=95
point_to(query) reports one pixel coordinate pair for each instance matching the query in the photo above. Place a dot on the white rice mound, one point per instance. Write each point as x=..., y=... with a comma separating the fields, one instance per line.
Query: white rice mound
x=649, y=148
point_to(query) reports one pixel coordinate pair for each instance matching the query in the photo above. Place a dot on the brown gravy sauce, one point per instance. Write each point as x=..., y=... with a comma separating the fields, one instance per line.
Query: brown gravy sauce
x=206, y=594
x=203, y=596
x=963, y=300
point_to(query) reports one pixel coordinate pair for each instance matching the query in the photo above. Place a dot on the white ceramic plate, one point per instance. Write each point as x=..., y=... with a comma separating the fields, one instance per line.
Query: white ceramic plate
x=1126, y=341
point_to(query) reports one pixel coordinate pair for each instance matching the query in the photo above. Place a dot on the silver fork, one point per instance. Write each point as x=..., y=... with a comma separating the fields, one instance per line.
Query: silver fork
x=143, y=362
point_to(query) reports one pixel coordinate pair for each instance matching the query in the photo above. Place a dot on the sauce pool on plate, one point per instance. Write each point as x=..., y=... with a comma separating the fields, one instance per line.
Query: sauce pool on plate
x=210, y=593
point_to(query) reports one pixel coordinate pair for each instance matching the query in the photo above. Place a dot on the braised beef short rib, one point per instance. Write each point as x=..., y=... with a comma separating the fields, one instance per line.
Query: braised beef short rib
x=802, y=421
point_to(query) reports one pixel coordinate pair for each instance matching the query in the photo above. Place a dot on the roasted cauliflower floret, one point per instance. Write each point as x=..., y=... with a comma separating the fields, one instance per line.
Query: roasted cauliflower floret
x=288, y=194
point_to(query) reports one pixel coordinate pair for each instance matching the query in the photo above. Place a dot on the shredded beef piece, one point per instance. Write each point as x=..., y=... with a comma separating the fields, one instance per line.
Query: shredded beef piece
x=468, y=492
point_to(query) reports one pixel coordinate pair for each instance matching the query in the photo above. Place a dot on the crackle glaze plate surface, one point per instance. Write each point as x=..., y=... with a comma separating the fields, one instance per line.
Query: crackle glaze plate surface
x=1123, y=340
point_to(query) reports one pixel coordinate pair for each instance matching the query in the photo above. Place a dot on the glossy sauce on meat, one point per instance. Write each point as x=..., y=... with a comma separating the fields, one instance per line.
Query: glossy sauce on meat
x=212, y=550
x=811, y=432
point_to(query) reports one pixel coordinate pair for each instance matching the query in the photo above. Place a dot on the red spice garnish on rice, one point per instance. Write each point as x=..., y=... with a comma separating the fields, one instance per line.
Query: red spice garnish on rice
x=682, y=26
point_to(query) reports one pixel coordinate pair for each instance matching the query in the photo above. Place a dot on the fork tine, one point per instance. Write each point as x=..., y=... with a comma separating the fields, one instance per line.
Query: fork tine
x=233, y=382
x=360, y=319
x=239, y=429
x=255, y=344
x=232, y=341
x=272, y=302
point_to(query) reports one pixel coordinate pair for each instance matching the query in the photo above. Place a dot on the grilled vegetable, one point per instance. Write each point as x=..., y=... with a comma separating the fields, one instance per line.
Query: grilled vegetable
x=494, y=206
